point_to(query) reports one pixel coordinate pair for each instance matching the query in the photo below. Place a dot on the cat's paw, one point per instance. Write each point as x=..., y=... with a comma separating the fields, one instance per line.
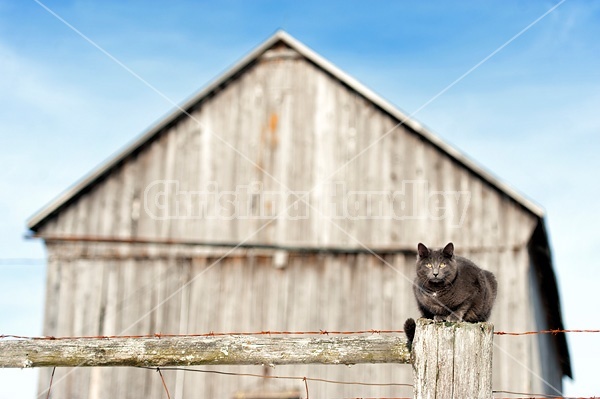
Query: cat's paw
x=454, y=318
x=438, y=318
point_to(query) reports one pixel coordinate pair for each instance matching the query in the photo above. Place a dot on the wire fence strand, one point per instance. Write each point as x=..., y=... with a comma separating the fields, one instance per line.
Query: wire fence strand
x=50, y=385
x=162, y=378
x=525, y=395
x=284, y=377
x=271, y=333
x=305, y=380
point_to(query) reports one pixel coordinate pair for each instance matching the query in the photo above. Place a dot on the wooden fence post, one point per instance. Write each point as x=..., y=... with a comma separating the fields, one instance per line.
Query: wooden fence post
x=452, y=360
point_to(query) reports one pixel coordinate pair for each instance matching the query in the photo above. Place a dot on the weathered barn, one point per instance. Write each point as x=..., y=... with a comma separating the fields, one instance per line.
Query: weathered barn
x=194, y=228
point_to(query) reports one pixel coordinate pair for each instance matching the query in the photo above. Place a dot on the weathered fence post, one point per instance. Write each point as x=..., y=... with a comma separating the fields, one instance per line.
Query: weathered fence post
x=452, y=360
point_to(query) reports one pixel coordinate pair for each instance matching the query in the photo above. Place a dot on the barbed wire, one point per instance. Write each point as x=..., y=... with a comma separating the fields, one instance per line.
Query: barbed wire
x=270, y=333
x=538, y=395
x=553, y=332
x=208, y=334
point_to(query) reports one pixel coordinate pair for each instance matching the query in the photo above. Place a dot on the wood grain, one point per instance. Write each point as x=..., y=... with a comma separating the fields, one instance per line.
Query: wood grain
x=453, y=360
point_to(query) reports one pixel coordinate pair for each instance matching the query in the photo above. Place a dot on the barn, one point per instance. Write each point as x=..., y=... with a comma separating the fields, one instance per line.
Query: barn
x=287, y=196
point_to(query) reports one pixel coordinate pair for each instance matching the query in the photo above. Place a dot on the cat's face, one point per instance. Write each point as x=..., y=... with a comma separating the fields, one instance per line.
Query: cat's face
x=436, y=266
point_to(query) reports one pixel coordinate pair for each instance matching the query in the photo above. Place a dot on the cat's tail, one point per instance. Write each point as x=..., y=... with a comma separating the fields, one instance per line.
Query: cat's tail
x=409, y=329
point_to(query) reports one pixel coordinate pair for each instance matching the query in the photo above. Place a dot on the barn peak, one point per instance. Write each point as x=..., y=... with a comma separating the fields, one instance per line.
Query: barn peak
x=281, y=45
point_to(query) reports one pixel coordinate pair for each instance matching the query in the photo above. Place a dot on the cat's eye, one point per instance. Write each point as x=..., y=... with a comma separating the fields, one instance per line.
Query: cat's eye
x=429, y=265
x=442, y=265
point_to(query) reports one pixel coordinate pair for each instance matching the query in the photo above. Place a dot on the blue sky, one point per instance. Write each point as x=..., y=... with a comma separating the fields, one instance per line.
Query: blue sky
x=529, y=114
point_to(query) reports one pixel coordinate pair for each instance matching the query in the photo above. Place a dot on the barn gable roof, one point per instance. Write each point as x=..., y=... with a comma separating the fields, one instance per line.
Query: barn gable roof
x=37, y=220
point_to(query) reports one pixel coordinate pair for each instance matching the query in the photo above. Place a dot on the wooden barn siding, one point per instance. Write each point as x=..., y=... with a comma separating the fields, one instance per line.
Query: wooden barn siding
x=239, y=294
x=302, y=127
x=116, y=289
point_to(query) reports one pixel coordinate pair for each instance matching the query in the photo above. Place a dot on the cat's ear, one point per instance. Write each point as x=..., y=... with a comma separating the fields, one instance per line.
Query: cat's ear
x=422, y=250
x=448, y=250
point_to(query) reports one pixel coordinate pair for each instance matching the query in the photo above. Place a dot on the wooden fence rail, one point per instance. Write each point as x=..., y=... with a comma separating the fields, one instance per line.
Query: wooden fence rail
x=193, y=351
x=450, y=360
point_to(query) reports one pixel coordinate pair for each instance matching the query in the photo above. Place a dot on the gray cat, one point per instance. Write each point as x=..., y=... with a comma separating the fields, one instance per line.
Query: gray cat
x=452, y=288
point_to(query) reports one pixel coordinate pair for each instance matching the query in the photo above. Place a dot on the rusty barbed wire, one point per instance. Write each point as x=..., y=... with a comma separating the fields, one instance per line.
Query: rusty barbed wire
x=269, y=332
x=553, y=332
x=537, y=395
x=208, y=334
